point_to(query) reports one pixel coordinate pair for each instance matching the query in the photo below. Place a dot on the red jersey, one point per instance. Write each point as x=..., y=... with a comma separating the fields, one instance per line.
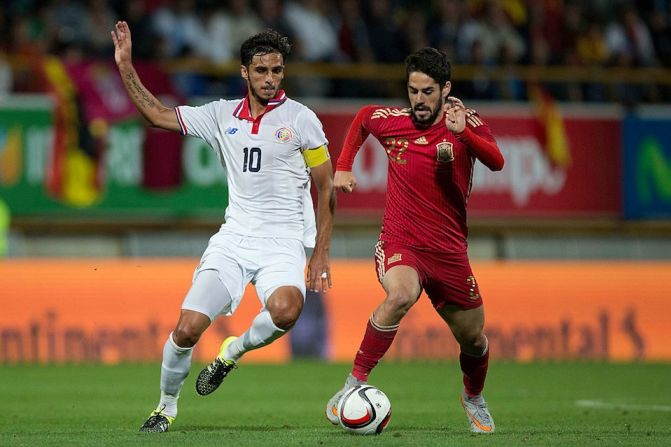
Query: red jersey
x=429, y=177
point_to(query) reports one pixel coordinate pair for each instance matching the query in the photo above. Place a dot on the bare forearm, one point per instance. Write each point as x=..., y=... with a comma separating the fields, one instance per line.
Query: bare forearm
x=151, y=108
x=325, y=213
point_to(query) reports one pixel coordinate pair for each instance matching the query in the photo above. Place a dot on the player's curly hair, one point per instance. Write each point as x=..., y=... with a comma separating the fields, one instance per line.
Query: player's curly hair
x=431, y=62
x=265, y=42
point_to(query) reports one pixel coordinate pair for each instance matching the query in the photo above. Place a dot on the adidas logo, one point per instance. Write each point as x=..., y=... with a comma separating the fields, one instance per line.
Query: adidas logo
x=421, y=140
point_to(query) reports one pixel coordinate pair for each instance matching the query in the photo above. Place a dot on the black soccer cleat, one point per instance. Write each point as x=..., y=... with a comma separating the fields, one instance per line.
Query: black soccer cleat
x=157, y=422
x=211, y=377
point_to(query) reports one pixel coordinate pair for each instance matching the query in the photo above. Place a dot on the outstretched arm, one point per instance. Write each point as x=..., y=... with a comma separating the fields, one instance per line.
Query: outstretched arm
x=356, y=134
x=151, y=108
x=322, y=176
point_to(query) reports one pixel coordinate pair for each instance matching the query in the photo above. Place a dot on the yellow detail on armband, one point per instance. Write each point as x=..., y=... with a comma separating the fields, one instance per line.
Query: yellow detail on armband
x=315, y=157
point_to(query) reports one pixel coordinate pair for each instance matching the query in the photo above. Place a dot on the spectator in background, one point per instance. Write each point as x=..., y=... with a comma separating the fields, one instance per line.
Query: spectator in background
x=271, y=13
x=29, y=42
x=316, y=36
x=244, y=23
x=493, y=31
x=591, y=51
x=5, y=76
x=100, y=20
x=181, y=29
x=353, y=42
x=659, y=20
x=146, y=44
x=316, y=40
x=415, y=27
x=183, y=34
x=630, y=45
x=384, y=33
x=67, y=23
x=219, y=29
x=353, y=47
x=444, y=23
x=629, y=37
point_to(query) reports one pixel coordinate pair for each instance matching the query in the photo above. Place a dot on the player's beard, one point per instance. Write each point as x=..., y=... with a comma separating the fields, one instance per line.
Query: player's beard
x=261, y=98
x=430, y=119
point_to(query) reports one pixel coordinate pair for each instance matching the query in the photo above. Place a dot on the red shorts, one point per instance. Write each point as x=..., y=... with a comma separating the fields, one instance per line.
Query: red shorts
x=446, y=278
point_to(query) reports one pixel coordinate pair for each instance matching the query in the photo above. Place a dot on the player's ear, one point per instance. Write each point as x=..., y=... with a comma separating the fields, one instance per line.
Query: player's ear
x=446, y=89
x=244, y=73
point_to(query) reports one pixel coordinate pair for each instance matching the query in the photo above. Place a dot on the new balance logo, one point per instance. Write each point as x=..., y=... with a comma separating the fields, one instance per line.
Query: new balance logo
x=230, y=130
x=421, y=140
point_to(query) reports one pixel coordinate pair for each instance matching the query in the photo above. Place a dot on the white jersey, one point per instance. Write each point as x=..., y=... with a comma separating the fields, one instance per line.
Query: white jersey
x=268, y=180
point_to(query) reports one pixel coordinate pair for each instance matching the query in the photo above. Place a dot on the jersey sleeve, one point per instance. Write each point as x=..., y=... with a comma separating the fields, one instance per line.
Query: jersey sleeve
x=198, y=121
x=356, y=134
x=310, y=130
x=479, y=139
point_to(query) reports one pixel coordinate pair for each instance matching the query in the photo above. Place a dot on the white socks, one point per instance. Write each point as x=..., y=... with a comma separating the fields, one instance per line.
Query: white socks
x=262, y=332
x=174, y=369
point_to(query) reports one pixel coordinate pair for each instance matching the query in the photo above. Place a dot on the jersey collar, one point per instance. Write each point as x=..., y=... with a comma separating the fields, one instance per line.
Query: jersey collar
x=242, y=110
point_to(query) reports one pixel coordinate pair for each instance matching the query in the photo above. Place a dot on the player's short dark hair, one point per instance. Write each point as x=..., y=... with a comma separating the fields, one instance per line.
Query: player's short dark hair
x=265, y=42
x=431, y=62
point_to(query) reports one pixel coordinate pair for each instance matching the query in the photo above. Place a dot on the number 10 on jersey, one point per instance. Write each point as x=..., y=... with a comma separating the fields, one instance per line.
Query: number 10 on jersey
x=252, y=160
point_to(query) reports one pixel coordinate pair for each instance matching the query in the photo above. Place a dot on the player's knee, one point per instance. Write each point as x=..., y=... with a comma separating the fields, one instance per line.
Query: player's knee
x=186, y=335
x=401, y=299
x=285, y=314
x=473, y=342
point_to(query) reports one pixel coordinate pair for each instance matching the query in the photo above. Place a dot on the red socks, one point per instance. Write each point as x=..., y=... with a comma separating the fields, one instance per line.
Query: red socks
x=376, y=341
x=475, y=372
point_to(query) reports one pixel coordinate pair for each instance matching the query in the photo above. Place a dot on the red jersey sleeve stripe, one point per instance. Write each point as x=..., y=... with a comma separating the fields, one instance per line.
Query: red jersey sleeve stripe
x=182, y=126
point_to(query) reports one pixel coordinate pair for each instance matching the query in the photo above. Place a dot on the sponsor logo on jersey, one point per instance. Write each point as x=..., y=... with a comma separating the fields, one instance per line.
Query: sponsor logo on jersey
x=231, y=130
x=283, y=134
x=394, y=258
x=444, y=152
x=421, y=140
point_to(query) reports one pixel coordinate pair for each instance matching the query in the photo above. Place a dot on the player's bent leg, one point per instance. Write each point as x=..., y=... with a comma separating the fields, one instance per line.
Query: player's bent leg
x=467, y=327
x=333, y=403
x=282, y=310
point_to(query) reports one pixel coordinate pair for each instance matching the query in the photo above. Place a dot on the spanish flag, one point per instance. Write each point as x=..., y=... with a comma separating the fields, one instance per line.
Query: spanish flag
x=72, y=176
x=552, y=124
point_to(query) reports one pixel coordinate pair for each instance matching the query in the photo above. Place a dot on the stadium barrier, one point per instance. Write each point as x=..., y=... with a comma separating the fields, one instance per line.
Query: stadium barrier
x=112, y=311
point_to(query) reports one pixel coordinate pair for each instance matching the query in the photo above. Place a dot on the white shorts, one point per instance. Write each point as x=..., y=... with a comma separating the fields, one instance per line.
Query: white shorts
x=268, y=263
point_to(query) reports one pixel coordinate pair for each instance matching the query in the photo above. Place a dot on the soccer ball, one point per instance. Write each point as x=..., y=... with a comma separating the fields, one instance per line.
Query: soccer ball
x=364, y=410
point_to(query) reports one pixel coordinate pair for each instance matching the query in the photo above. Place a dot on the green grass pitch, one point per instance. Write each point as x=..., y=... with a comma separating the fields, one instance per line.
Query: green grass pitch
x=562, y=404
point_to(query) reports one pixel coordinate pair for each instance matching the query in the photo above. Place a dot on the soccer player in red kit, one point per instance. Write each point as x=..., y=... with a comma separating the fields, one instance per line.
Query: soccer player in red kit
x=432, y=147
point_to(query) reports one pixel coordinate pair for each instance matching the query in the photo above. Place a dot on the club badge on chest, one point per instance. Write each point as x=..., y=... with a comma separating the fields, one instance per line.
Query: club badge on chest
x=444, y=152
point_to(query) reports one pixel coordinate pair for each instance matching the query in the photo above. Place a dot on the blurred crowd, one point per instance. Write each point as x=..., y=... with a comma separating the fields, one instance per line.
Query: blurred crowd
x=480, y=33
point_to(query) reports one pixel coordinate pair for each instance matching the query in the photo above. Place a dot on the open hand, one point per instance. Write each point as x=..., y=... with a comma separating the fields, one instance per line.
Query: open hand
x=122, y=43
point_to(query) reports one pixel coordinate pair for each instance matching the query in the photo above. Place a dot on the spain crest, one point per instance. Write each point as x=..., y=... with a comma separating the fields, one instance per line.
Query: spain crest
x=444, y=152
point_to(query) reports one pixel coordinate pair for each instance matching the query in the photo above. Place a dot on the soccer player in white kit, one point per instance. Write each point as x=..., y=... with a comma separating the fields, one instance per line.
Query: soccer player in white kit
x=270, y=145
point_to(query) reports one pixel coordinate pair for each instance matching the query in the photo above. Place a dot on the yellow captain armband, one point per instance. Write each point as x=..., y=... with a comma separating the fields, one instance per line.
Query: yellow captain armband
x=315, y=157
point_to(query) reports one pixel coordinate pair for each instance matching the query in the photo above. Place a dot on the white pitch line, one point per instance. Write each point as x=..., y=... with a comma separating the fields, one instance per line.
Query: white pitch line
x=614, y=406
